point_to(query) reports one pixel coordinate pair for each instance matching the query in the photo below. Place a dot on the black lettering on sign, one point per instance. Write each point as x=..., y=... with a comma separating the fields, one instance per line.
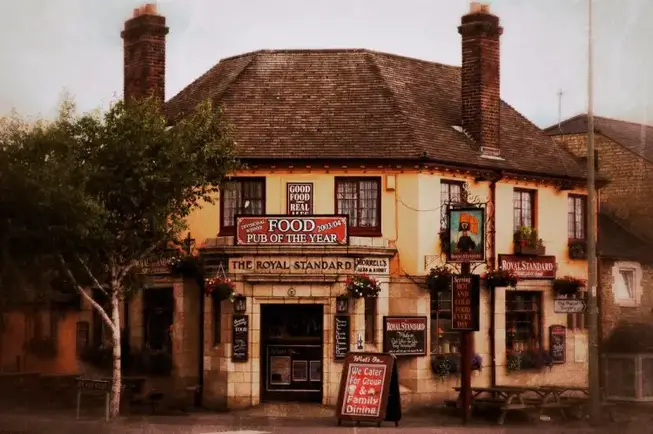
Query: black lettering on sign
x=558, y=343
x=239, y=338
x=404, y=336
x=341, y=337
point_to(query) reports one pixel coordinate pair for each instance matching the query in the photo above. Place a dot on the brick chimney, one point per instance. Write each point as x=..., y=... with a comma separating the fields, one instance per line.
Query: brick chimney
x=480, y=31
x=144, y=42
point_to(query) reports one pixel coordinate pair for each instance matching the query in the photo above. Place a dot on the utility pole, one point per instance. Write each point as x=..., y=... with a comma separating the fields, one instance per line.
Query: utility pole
x=593, y=371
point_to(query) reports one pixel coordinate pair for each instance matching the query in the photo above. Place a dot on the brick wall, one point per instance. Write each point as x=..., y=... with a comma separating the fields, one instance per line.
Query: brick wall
x=611, y=312
x=631, y=180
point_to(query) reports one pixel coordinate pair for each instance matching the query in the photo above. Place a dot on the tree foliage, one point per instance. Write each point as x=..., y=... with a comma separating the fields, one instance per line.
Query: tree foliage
x=95, y=194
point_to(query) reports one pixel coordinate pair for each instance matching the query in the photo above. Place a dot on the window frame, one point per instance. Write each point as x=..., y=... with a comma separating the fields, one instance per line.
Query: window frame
x=533, y=196
x=636, y=269
x=375, y=231
x=539, y=296
x=583, y=208
x=435, y=316
x=444, y=223
x=231, y=230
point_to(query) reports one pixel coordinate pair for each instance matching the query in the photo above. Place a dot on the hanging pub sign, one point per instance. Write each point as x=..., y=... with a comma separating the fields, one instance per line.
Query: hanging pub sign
x=299, y=198
x=530, y=267
x=404, y=335
x=465, y=301
x=369, y=389
x=269, y=230
x=466, y=235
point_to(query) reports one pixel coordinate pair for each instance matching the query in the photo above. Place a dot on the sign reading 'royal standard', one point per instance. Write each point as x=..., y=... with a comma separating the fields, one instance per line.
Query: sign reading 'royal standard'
x=536, y=267
x=287, y=230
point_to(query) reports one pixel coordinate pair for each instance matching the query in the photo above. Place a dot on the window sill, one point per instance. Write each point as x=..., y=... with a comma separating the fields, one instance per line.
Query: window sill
x=627, y=303
x=373, y=233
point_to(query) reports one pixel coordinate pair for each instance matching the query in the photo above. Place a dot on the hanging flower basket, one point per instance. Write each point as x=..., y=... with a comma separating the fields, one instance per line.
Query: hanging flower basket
x=567, y=285
x=530, y=359
x=220, y=288
x=439, y=279
x=444, y=365
x=577, y=249
x=362, y=285
x=499, y=278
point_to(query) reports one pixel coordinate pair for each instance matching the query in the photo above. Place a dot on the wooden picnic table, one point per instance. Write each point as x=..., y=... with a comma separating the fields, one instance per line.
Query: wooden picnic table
x=507, y=398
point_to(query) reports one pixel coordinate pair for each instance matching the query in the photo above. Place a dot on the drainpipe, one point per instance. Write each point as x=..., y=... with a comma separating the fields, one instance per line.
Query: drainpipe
x=491, y=263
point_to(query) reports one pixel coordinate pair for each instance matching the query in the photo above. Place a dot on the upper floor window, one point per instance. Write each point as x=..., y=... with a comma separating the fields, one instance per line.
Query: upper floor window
x=577, y=206
x=360, y=199
x=450, y=193
x=523, y=209
x=240, y=196
x=627, y=283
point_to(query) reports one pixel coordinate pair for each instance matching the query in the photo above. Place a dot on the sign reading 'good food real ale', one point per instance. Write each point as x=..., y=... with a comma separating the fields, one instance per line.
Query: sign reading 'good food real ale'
x=289, y=230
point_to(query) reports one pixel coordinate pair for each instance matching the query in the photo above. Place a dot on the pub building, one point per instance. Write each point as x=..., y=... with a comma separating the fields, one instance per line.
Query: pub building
x=354, y=160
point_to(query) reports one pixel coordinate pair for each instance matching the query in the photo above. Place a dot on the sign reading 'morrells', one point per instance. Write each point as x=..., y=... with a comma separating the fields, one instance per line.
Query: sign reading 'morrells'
x=535, y=267
x=316, y=230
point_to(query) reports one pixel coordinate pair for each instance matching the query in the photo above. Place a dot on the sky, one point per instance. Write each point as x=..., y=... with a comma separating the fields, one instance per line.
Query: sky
x=52, y=47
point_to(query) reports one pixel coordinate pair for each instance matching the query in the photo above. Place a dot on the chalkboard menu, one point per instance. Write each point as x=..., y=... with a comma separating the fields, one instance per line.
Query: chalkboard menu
x=239, y=338
x=341, y=337
x=558, y=343
x=404, y=335
x=465, y=300
x=369, y=389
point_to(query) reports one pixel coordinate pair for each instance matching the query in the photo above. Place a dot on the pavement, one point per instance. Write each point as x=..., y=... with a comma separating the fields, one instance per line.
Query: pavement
x=286, y=419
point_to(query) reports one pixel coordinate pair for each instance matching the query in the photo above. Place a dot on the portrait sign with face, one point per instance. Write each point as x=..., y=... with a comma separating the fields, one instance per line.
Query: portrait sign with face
x=466, y=235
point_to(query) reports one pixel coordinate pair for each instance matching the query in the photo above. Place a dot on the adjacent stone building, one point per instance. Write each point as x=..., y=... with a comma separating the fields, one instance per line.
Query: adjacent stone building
x=624, y=153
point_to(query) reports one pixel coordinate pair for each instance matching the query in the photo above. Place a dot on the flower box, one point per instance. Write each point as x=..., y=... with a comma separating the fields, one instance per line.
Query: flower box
x=528, y=360
x=362, y=285
x=528, y=243
x=444, y=365
x=568, y=285
x=500, y=278
x=577, y=249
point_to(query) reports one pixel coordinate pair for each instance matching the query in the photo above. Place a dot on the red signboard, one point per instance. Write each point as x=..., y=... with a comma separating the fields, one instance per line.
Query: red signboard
x=530, y=267
x=287, y=230
x=369, y=389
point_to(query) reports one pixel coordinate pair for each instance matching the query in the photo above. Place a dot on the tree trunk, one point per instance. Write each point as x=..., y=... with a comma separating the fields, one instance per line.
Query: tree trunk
x=114, y=408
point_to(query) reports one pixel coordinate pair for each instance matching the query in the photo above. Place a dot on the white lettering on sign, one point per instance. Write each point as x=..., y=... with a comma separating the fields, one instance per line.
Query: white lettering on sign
x=373, y=266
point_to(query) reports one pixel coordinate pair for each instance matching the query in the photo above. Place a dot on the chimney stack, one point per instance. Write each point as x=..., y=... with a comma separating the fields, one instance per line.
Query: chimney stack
x=480, y=76
x=144, y=45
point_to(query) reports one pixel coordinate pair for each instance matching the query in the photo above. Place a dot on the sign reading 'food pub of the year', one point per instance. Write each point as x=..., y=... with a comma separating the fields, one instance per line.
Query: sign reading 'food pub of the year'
x=404, y=335
x=314, y=230
x=465, y=300
x=369, y=389
x=299, y=198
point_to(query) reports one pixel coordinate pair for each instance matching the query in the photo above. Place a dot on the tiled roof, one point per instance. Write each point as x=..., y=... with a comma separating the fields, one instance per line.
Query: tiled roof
x=638, y=138
x=617, y=242
x=355, y=104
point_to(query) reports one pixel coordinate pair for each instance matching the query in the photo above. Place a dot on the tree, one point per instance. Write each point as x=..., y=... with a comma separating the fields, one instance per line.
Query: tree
x=97, y=194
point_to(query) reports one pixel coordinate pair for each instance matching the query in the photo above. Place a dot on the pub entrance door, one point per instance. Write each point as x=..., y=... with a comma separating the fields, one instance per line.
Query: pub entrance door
x=291, y=352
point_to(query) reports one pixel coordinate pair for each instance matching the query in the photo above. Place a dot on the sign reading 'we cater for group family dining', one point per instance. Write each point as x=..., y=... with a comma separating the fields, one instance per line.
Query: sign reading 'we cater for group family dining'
x=316, y=230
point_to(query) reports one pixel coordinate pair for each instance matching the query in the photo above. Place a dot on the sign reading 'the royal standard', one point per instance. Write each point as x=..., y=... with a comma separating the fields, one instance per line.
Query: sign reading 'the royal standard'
x=317, y=230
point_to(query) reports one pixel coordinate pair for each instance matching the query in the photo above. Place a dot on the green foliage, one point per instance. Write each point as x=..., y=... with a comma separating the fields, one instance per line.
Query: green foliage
x=105, y=191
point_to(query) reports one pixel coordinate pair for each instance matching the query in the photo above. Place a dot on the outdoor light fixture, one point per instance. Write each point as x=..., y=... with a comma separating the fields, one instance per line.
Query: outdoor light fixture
x=342, y=304
x=240, y=303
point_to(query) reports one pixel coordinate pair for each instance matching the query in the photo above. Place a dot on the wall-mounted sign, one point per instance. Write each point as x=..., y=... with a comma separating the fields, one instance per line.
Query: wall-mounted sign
x=299, y=198
x=530, y=267
x=465, y=300
x=341, y=337
x=283, y=230
x=297, y=265
x=404, y=335
x=372, y=265
x=369, y=389
x=466, y=235
x=558, y=343
x=239, y=338
x=569, y=305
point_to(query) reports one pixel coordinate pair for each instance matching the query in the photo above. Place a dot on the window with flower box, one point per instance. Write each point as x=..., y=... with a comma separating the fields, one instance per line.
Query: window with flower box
x=576, y=217
x=443, y=339
x=523, y=209
x=523, y=321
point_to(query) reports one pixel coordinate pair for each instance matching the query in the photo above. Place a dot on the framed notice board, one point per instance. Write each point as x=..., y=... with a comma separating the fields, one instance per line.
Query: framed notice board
x=558, y=343
x=405, y=335
x=369, y=389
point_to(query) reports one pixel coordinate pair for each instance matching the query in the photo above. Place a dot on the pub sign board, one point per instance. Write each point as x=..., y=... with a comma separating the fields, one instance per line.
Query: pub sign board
x=299, y=198
x=405, y=335
x=465, y=301
x=239, y=338
x=530, y=267
x=558, y=343
x=466, y=235
x=369, y=389
x=282, y=230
